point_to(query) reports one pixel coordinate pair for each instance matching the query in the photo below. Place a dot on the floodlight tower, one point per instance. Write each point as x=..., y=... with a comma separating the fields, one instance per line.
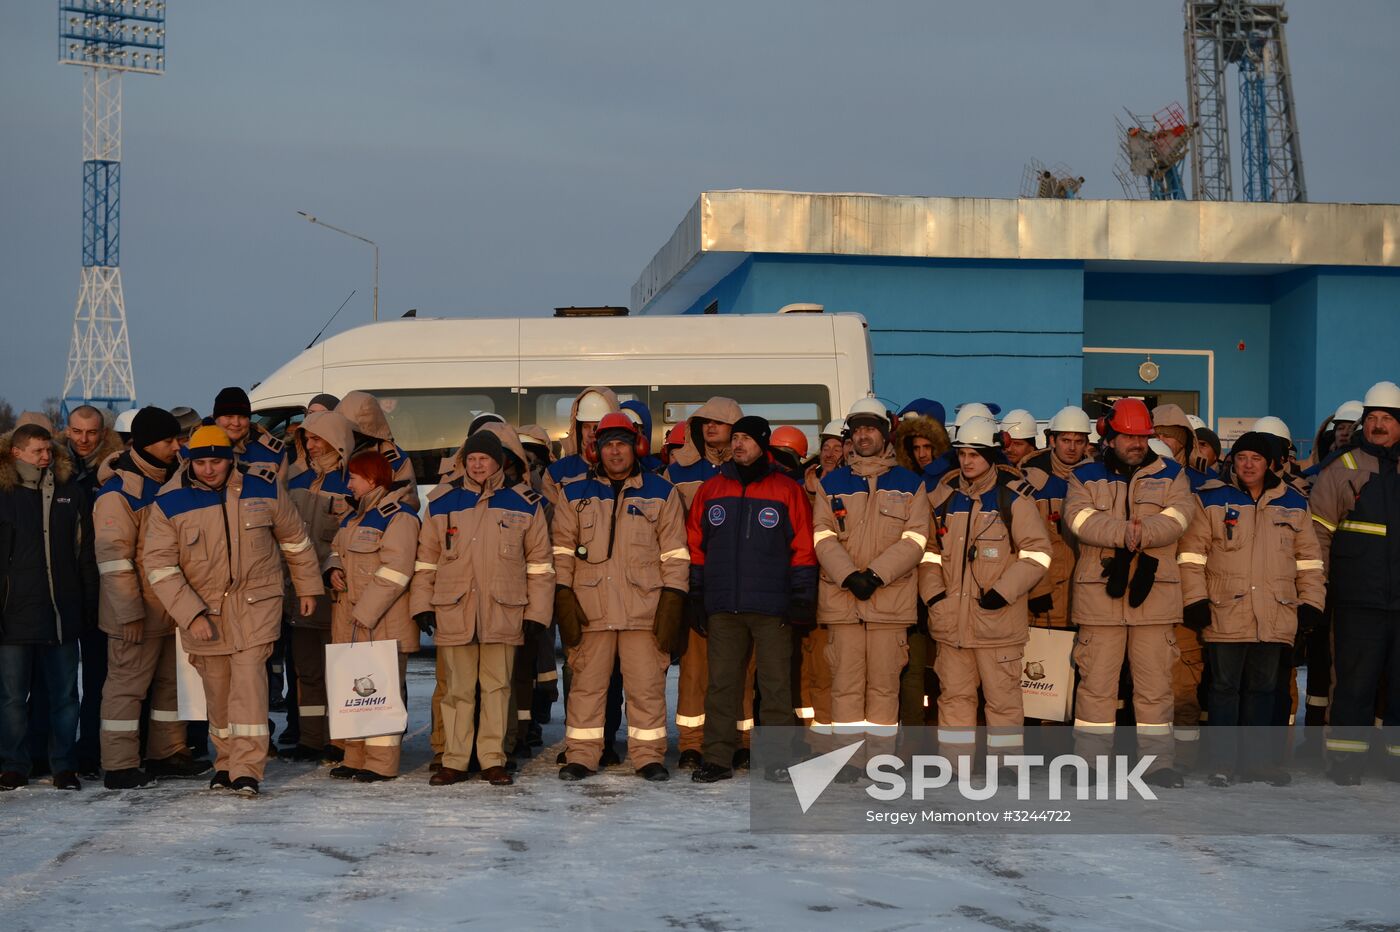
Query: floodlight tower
x=106, y=38
x=1250, y=36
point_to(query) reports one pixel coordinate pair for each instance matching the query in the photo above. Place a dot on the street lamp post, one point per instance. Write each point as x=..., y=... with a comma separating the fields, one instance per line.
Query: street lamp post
x=363, y=239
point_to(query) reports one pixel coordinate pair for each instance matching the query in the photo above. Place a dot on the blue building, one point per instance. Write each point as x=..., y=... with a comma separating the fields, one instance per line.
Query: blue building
x=1232, y=310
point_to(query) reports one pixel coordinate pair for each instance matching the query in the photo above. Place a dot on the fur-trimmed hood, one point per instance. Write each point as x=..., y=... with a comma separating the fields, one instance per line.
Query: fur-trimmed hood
x=62, y=467
x=912, y=426
x=569, y=445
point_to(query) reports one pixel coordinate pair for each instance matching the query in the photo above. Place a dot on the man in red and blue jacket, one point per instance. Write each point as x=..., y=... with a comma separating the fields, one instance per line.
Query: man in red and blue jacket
x=753, y=572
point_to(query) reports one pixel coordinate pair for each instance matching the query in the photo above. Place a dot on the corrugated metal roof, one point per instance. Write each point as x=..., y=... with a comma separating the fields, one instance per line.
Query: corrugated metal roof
x=725, y=226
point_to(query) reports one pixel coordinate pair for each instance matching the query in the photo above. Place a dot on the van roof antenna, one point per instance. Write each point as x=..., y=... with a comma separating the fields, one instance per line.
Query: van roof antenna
x=333, y=316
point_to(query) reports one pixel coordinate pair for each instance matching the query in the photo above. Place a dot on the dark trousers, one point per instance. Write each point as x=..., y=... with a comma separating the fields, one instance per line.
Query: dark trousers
x=913, y=681
x=93, y=650
x=731, y=639
x=1243, y=680
x=1366, y=649
x=60, y=671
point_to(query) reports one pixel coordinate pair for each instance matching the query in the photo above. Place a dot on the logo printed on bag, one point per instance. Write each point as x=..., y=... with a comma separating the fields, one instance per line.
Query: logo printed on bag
x=364, y=686
x=716, y=515
x=768, y=517
x=1035, y=670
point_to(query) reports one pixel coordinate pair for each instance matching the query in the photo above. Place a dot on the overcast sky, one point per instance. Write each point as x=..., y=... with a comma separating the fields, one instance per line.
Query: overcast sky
x=509, y=158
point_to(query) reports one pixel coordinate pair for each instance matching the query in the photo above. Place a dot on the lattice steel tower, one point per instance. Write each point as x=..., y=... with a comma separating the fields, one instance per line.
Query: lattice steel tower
x=105, y=37
x=1250, y=36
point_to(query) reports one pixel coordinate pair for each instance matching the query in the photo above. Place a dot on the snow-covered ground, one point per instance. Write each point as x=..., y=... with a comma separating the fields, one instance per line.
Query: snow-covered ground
x=617, y=853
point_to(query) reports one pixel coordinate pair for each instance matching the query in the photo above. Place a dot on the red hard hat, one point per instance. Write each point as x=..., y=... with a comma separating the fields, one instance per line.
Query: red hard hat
x=1130, y=417
x=617, y=421
x=790, y=438
x=675, y=437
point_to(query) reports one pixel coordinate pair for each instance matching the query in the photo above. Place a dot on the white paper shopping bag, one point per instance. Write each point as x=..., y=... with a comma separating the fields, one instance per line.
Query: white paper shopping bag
x=1047, y=677
x=362, y=690
x=189, y=686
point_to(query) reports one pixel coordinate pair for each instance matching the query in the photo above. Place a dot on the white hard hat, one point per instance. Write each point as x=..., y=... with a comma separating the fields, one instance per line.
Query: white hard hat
x=834, y=429
x=970, y=410
x=122, y=425
x=1272, y=425
x=632, y=415
x=1020, y=424
x=1094, y=436
x=978, y=433
x=1160, y=448
x=1195, y=422
x=1070, y=420
x=592, y=407
x=1349, y=411
x=1382, y=395
x=869, y=407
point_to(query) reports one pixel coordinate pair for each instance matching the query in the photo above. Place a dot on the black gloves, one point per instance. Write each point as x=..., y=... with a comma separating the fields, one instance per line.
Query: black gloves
x=1196, y=616
x=426, y=622
x=1310, y=619
x=1143, y=578
x=1041, y=604
x=570, y=616
x=992, y=601
x=863, y=584
x=1115, y=570
x=670, y=615
x=801, y=612
x=695, y=612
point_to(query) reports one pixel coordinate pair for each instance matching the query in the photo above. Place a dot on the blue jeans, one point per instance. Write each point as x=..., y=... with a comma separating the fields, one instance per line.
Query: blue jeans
x=1244, y=678
x=59, y=663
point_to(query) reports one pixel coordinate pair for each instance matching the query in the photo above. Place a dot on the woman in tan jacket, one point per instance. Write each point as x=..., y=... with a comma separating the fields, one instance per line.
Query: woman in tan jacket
x=369, y=568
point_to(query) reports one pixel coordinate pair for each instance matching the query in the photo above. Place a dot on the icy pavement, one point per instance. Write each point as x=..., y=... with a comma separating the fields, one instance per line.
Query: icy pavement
x=616, y=853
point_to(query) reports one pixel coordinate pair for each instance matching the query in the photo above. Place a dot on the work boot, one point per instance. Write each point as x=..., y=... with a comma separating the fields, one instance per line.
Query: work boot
x=178, y=767
x=849, y=774
x=66, y=780
x=246, y=787
x=741, y=759
x=1167, y=778
x=654, y=773
x=1346, y=768
x=575, y=772
x=610, y=757
x=776, y=773
x=497, y=776
x=369, y=776
x=342, y=772
x=301, y=753
x=220, y=781
x=127, y=778
x=12, y=780
x=436, y=763
x=1220, y=778
x=711, y=773
x=689, y=760
x=330, y=754
x=446, y=776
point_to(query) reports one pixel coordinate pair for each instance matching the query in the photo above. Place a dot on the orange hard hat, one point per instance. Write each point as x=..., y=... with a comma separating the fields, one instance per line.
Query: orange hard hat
x=1130, y=417
x=675, y=437
x=790, y=438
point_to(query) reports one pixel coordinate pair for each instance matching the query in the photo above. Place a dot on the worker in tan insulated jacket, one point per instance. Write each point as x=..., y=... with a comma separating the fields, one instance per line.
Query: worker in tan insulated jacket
x=140, y=633
x=216, y=540
x=1048, y=472
x=706, y=448
x=1127, y=512
x=578, y=449
x=870, y=527
x=483, y=572
x=369, y=567
x=988, y=550
x=372, y=433
x=318, y=487
x=623, y=566
x=1251, y=575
